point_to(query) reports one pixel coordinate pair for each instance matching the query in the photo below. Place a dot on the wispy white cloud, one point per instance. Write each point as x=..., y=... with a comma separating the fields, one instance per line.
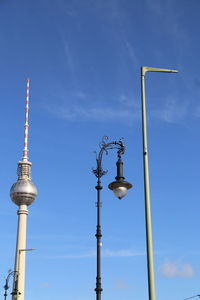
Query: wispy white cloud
x=122, y=253
x=131, y=51
x=80, y=106
x=196, y=111
x=120, y=284
x=155, y=6
x=172, y=111
x=75, y=256
x=59, y=237
x=175, y=269
x=77, y=112
x=45, y=285
x=105, y=253
x=69, y=57
x=170, y=17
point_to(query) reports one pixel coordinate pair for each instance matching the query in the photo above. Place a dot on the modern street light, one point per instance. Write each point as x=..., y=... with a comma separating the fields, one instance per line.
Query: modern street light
x=15, y=293
x=6, y=286
x=150, y=266
x=119, y=188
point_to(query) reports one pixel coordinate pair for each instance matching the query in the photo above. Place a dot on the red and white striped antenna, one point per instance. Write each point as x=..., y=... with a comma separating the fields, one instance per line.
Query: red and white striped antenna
x=25, y=151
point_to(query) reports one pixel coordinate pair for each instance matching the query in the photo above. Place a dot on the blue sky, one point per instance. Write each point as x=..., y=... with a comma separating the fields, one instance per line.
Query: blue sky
x=84, y=59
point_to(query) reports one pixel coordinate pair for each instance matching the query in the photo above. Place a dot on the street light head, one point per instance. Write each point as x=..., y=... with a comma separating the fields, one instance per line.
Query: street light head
x=144, y=70
x=21, y=250
x=120, y=188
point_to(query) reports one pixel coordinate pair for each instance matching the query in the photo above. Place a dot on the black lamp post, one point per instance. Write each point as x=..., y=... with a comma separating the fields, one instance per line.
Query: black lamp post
x=119, y=188
x=6, y=286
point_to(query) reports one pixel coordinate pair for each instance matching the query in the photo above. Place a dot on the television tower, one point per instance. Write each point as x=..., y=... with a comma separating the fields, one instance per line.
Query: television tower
x=22, y=193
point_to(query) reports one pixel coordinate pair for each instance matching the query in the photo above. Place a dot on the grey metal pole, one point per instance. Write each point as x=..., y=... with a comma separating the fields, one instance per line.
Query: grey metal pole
x=150, y=265
x=149, y=245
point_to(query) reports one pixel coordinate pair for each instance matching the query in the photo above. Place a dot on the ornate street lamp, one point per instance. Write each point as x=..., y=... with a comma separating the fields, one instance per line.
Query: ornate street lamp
x=6, y=286
x=119, y=188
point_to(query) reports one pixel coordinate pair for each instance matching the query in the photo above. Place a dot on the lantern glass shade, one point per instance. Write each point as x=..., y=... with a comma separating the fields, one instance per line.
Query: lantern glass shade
x=120, y=188
x=120, y=192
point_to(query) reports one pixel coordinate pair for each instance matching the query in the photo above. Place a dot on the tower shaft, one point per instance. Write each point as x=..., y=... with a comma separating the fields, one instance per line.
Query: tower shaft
x=20, y=255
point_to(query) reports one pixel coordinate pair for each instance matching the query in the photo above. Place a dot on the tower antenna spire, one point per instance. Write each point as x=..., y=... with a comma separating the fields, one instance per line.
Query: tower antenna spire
x=25, y=150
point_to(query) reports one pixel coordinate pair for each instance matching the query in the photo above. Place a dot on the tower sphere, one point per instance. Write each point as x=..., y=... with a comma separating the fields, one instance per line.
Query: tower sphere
x=23, y=192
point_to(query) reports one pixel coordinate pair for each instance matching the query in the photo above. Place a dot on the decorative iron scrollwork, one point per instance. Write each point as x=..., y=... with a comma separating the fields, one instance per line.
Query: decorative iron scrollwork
x=104, y=147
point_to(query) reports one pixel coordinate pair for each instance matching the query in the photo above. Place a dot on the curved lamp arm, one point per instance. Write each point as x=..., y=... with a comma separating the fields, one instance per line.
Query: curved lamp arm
x=104, y=147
